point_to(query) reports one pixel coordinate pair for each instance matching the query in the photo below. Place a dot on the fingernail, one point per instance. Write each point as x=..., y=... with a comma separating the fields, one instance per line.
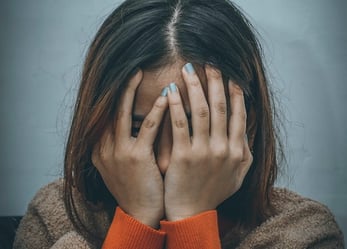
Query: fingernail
x=164, y=91
x=173, y=87
x=189, y=68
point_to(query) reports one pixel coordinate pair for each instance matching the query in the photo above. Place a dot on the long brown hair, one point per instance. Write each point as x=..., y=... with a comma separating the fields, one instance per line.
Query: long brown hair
x=151, y=34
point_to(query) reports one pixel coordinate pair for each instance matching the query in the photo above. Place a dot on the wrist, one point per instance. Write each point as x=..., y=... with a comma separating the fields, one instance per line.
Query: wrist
x=177, y=217
x=148, y=221
x=149, y=218
x=181, y=214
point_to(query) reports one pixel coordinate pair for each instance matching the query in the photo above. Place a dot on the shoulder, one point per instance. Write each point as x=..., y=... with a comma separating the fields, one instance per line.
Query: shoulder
x=49, y=202
x=52, y=193
x=48, y=206
x=46, y=213
x=46, y=221
x=286, y=201
x=299, y=223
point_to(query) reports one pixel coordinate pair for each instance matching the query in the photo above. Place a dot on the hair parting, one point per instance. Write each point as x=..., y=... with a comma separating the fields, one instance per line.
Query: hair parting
x=153, y=34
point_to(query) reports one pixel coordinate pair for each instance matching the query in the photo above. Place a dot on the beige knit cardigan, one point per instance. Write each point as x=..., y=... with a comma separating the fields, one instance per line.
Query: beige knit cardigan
x=300, y=223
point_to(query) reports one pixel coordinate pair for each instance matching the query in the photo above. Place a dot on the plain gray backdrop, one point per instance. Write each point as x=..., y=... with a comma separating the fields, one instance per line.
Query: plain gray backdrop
x=42, y=48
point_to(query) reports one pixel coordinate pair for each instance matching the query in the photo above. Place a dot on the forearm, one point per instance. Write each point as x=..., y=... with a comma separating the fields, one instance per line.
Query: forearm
x=127, y=232
x=199, y=231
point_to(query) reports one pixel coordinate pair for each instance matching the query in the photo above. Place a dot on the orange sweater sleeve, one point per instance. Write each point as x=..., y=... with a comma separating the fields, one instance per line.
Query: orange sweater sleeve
x=126, y=232
x=199, y=231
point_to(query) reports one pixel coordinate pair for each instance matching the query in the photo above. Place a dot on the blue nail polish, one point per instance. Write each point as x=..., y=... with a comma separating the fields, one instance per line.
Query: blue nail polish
x=189, y=68
x=164, y=91
x=173, y=87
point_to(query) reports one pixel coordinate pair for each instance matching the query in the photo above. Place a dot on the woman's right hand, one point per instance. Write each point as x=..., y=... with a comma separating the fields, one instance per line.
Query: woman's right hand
x=127, y=164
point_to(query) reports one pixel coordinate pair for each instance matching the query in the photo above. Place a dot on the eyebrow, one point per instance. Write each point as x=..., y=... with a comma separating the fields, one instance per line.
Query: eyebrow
x=140, y=118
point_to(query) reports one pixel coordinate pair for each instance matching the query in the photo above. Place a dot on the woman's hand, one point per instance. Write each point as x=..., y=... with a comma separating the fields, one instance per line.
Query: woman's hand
x=209, y=166
x=127, y=164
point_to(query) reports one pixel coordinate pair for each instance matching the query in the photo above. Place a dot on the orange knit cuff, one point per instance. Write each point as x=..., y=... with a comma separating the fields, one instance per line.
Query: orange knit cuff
x=199, y=231
x=127, y=232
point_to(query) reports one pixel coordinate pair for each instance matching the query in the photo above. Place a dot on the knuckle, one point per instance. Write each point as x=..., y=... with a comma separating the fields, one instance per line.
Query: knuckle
x=148, y=123
x=221, y=108
x=159, y=105
x=237, y=154
x=241, y=114
x=194, y=81
x=180, y=123
x=221, y=151
x=120, y=154
x=175, y=102
x=127, y=158
x=135, y=156
x=182, y=157
x=203, y=112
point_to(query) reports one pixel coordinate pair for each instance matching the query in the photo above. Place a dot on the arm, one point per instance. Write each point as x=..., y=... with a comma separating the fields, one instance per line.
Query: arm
x=197, y=232
x=200, y=231
x=71, y=240
x=299, y=223
x=45, y=225
x=126, y=232
x=206, y=166
x=33, y=233
x=128, y=167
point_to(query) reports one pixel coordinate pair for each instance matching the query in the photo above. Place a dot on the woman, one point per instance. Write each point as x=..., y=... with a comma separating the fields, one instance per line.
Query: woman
x=173, y=142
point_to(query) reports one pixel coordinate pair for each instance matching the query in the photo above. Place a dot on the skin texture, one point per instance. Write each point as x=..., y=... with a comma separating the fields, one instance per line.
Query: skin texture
x=149, y=90
x=164, y=170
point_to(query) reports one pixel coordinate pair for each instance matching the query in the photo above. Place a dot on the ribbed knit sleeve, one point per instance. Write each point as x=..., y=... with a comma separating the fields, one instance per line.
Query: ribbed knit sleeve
x=200, y=231
x=126, y=232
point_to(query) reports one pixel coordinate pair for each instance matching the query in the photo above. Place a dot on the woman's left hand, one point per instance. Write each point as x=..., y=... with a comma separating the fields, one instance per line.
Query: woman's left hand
x=209, y=166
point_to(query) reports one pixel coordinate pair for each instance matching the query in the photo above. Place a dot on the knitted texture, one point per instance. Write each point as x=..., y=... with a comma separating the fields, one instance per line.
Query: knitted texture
x=299, y=223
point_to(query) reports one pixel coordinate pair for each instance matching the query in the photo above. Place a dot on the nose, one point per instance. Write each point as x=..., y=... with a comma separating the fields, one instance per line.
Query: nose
x=163, y=145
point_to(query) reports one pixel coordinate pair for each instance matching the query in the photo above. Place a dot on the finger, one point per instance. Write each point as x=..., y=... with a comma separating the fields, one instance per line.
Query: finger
x=96, y=156
x=179, y=122
x=237, y=123
x=151, y=123
x=248, y=157
x=217, y=101
x=247, y=150
x=96, y=160
x=199, y=108
x=124, y=113
x=103, y=150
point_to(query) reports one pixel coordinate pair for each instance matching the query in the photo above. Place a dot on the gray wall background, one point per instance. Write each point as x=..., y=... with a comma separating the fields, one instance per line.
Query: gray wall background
x=42, y=47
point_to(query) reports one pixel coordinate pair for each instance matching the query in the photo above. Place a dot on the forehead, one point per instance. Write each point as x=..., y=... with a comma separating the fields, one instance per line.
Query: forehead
x=153, y=83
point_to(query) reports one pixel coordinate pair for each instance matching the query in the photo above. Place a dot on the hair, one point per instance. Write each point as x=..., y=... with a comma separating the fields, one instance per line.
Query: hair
x=152, y=34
